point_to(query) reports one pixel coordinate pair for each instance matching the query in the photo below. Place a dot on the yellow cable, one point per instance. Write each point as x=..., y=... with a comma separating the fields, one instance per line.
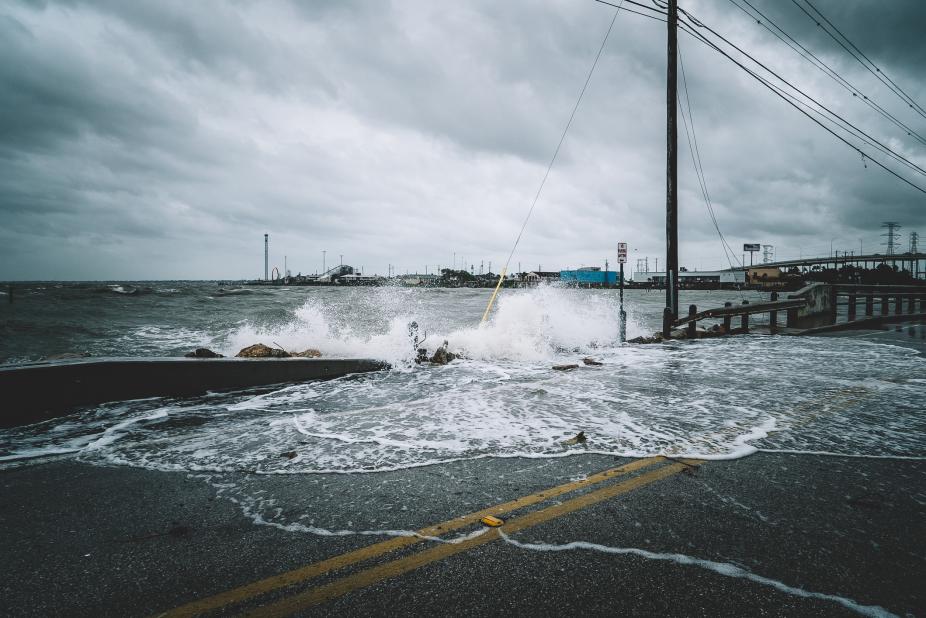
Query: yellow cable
x=501, y=277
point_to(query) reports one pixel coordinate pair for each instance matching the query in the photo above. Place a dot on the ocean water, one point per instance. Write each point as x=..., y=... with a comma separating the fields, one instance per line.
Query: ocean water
x=856, y=395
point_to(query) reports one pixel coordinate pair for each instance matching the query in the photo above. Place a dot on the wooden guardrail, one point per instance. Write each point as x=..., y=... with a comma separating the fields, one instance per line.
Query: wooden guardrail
x=728, y=312
x=882, y=304
x=813, y=308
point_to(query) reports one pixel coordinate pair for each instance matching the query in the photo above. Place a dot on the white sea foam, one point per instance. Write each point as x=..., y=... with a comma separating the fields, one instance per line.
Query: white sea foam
x=25, y=454
x=721, y=568
x=527, y=325
x=714, y=399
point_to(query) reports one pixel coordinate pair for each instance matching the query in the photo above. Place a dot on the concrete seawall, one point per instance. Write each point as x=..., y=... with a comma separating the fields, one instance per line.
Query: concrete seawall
x=38, y=391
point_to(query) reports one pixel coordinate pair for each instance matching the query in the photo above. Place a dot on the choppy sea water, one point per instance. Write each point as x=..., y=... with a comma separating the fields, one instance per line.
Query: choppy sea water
x=858, y=395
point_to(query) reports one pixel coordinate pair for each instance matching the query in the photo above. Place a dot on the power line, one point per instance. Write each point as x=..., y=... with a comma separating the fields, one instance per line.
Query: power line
x=696, y=161
x=555, y=153
x=790, y=99
x=839, y=120
x=626, y=10
x=764, y=21
x=871, y=66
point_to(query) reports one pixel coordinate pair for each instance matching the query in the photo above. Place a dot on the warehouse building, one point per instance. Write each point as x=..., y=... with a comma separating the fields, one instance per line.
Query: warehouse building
x=591, y=276
x=696, y=278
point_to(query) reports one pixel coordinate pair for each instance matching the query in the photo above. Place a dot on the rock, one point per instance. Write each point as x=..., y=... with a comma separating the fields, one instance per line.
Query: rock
x=442, y=356
x=565, y=367
x=656, y=338
x=310, y=353
x=259, y=350
x=592, y=362
x=289, y=454
x=717, y=331
x=422, y=356
x=203, y=353
x=578, y=439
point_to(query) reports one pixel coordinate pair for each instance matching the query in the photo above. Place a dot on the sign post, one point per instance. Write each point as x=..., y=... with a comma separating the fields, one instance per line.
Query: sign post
x=622, y=259
x=752, y=249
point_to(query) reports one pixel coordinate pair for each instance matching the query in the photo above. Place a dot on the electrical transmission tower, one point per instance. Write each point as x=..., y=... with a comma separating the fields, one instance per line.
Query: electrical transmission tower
x=768, y=252
x=914, y=250
x=892, y=236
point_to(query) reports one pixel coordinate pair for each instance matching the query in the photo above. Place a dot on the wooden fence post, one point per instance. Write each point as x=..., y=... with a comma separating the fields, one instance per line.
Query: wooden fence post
x=727, y=319
x=852, y=307
x=773, y=315
x=745, y=321
x=884, y=305
x=898, y=305
x=869, y=306
x=692, y=326
x=833, y=298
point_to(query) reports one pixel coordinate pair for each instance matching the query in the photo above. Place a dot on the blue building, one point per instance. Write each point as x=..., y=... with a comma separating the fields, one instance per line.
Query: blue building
x=588, y=276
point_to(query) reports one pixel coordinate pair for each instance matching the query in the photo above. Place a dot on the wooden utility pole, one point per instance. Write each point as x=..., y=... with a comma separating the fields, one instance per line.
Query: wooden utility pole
x=671, y=164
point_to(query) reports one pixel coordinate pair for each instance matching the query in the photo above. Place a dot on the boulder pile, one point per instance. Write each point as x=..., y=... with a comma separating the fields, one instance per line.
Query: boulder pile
x=442, y=355
x=310, y=353
x=259, y=350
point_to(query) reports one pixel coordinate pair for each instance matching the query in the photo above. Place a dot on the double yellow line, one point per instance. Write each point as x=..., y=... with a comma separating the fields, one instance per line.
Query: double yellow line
x=399, y=566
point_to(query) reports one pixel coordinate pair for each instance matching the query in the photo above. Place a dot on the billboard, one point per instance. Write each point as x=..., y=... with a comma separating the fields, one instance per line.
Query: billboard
x=750, y=247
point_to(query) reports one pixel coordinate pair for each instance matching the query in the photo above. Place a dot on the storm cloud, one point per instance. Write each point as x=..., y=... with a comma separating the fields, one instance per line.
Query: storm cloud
x=163, y=139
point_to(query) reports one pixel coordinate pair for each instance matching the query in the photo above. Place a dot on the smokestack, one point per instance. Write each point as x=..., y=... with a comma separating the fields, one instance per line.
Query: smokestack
x=266, y=257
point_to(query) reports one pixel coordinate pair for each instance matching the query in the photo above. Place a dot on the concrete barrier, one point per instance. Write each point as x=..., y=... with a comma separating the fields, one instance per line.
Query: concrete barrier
x=820, y=309
x=37, y=391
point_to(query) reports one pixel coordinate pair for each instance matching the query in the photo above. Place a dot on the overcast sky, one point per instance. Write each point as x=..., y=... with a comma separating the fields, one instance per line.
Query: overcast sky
x=159, y=140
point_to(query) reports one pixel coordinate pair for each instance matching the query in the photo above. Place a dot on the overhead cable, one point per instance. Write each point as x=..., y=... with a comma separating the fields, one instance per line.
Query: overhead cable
x=691, y=30
x=626, y=10
x=546, y=174
x=862, y=59
x=696, y=160
x=839, y=120
x=763, y=20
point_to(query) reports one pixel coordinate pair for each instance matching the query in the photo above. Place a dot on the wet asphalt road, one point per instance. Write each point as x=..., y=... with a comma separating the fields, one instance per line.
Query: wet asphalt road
x=82, y=540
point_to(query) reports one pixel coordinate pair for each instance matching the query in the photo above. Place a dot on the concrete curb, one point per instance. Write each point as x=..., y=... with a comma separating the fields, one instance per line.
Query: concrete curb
x=37, y=391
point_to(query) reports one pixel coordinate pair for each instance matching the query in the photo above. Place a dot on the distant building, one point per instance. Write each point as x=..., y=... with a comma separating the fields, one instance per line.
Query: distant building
x=358, y=279
x=417, y=279
x=720, y=277
x=537, y=276
x=591, y=275
x=765, y=277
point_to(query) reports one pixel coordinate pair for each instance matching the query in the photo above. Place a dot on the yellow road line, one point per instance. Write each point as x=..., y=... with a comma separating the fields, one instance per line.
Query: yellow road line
x=373, y=575
x=263, y=586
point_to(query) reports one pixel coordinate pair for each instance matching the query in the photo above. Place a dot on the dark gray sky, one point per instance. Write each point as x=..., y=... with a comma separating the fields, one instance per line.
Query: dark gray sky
x=162, y=139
